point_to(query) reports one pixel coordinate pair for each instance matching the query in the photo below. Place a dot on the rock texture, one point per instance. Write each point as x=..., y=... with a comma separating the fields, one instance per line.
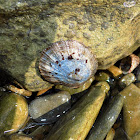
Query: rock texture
x=131, y=111
x=110, y=29
x=106, y=119
x=50, y=107
x=13, y=113
x=76, y=123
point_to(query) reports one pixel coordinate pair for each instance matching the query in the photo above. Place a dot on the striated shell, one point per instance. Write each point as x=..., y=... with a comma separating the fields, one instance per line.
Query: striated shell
x=68, y=63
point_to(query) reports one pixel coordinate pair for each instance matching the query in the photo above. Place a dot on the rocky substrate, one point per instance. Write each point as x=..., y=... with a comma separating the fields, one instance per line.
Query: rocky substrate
x=106, y=106
x=110, y=28
x=107, y=109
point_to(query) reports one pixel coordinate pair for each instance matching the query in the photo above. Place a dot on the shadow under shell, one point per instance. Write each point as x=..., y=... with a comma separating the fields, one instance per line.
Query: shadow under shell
x=69, y=63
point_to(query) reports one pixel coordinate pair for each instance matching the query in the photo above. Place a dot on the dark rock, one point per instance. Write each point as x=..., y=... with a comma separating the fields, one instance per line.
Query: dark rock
x=50, y=107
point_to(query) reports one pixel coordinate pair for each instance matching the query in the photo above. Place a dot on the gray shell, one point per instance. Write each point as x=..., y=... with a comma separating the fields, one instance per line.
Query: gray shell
x=68, y=63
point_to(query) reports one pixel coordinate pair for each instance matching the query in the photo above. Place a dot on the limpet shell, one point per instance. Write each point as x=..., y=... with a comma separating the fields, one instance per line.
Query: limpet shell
x=69, y=63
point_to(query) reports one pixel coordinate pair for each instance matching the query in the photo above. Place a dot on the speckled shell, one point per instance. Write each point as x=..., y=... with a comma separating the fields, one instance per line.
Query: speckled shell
x=69, y=63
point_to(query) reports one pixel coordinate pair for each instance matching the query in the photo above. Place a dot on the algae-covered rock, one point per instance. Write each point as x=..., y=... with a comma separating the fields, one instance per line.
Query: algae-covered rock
x=131, y=110
x=13, y=113
x=109, y=28
x=76, y=124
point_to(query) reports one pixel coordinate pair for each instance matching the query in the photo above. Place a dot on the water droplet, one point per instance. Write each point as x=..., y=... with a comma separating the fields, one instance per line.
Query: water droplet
x=43, y=120
x=58, y=116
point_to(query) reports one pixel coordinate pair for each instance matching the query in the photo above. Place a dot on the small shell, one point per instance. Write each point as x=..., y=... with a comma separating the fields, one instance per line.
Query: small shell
x=129, y=63
x=68, y=63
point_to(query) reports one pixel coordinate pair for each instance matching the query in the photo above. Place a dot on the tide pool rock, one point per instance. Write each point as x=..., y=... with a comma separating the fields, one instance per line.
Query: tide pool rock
x=28, y=27
x=104, y=85
x=120, y=134
x=110, y=134
x=131, y=110
x=78, y=121
x=137, y=72
x=13, y=113
x=106, y=119
x=72, y=91
x=50, y=107
x=20, y=137
x=127, y=80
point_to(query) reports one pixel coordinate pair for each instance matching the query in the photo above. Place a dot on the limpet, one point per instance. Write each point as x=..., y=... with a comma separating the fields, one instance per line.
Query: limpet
x=69, y=63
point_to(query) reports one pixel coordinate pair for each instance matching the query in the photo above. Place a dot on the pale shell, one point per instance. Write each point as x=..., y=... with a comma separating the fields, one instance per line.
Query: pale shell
x=68, y=63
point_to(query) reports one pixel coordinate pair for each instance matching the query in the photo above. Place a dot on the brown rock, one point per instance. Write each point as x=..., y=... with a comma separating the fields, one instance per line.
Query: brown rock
x=131, y=109
x=26, y=28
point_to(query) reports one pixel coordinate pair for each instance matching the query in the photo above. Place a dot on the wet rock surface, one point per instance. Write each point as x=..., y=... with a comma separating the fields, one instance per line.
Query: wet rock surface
x=50, y=107
x=106, y=120
x=19, y=137
x=28, y=27
x=13, y=113
x=120, y=134
x=110, y=134
x=127, y=80
x=137, y=73
x=88, y=109
x=109, y=28
x=83, y=87
x=78, y=121
x=131, y=110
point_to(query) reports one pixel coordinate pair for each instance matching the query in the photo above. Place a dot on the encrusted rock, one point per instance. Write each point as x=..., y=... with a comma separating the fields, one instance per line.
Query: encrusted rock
x=111, y=29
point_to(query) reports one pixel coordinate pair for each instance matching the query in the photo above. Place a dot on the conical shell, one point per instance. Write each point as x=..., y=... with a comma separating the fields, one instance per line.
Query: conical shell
x=67, y=62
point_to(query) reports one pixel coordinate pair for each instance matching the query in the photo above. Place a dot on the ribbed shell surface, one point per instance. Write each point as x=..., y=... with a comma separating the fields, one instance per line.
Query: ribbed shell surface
x=67, y=62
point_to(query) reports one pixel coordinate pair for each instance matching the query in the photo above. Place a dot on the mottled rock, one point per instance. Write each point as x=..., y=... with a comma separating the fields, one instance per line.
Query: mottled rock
x=131, y=110
x=110, y=28
x=50, y=107
x=13, y=113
